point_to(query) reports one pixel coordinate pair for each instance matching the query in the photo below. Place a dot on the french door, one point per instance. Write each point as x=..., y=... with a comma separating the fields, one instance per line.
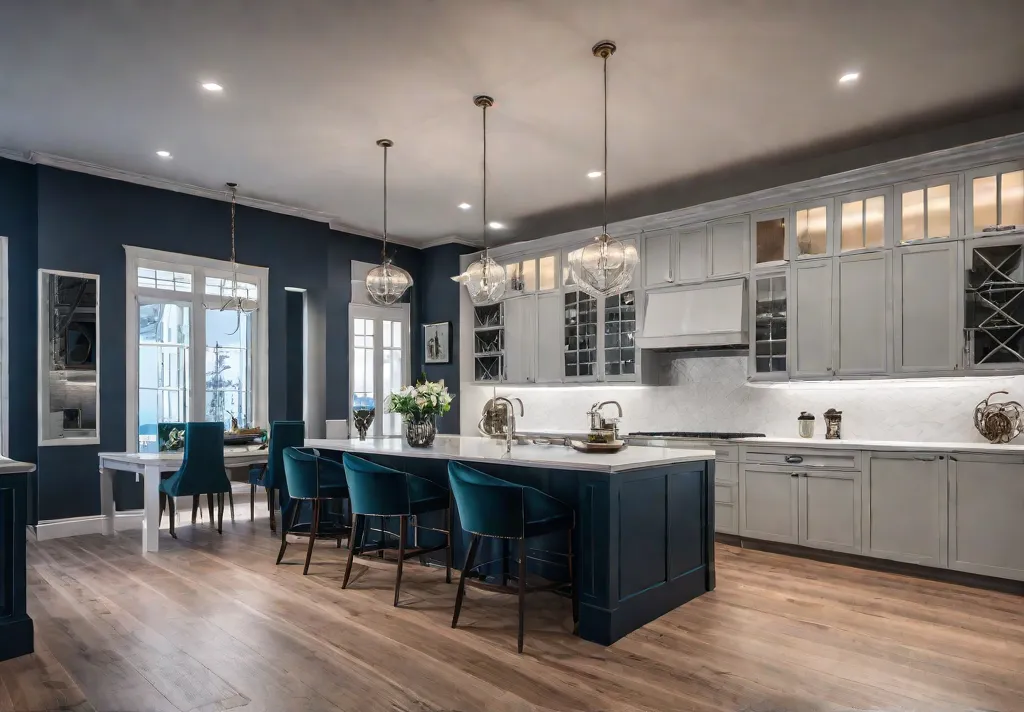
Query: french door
x=380, y=361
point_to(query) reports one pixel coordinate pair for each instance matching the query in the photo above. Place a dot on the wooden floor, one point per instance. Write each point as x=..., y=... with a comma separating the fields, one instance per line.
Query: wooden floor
x=211, y=624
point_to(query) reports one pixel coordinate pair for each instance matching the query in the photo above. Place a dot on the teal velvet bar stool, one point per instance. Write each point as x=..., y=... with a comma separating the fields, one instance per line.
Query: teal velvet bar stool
x=378, y=491
x=314, y=479
x=283, y=434
x=494, y=508
x=201, y=472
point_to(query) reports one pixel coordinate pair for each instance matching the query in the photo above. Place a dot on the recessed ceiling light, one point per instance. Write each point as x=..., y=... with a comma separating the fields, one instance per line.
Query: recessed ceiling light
x=849, y=77
x=495, y=225
x=595, y=174
x=164, y=154
x=212, y=86
x=464, y=206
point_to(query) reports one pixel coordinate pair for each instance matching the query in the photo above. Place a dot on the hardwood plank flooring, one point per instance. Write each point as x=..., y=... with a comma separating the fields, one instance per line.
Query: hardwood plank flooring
x=211, y=624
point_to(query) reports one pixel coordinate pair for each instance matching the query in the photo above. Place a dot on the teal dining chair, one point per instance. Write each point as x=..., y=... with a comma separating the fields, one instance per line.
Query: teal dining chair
x=314, y=479
x=201, y=472
x=495, y=508
x=283, y=434
x=378, y=491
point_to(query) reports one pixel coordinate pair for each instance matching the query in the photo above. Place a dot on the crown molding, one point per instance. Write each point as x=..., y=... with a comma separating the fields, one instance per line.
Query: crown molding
x=450, y=240
x=13, y=155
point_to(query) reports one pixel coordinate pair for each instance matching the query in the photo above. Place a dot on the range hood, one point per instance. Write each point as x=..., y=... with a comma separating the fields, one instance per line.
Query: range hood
x=698, y=317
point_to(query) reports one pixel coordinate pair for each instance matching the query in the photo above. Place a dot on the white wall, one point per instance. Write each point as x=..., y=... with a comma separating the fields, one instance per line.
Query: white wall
x=713, y=394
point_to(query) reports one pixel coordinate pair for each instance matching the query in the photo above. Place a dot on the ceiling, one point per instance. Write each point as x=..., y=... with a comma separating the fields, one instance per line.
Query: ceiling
x=310, y=85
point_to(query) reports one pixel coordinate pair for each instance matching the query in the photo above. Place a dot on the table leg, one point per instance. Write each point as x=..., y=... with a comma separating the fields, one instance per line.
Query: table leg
x=151, y=509
x=107, y=499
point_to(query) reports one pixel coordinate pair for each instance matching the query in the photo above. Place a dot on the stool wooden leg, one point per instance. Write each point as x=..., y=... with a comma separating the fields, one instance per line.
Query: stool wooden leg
x=522, y=590
x=220, y=512
x=353, y=544
x=195, y=507
x=474, y=543
x=163, y=505
x=312, y=534
x=505, y=553
x=575, y=591
x=170, y=515
x=231, y=503
x=403, y=531
x=209, y=504
x=448, y=548
x=287, y=522
x=252, y=503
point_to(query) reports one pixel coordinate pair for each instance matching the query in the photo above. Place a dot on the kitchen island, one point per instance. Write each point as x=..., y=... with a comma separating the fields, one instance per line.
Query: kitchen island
x=644, y=536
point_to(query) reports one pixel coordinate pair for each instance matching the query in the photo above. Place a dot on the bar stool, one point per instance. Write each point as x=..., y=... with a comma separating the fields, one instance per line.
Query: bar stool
x=495, y=508
x=378, y=491
x=314, y=479
x=283, y=434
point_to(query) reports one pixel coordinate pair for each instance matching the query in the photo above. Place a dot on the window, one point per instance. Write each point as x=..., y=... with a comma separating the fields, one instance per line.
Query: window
x=192, y=355
x=380, y=361
x=863, y=223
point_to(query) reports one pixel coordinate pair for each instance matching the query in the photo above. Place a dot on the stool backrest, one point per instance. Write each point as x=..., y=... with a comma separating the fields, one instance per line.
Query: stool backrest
x=487, y=505
x=374, y=489
x=283, y=434
x=302, y=472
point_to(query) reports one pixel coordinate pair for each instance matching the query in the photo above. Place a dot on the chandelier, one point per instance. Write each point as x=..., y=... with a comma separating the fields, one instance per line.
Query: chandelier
x=238, y=297
x=386, y=283
x=604, y=267
x=484, y=278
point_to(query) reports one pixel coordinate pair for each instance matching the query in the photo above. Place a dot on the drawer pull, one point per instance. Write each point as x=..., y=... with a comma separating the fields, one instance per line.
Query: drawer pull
x=794, y=459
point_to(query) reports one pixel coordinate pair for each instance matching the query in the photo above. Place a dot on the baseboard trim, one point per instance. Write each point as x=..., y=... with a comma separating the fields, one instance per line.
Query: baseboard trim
x=870, y=563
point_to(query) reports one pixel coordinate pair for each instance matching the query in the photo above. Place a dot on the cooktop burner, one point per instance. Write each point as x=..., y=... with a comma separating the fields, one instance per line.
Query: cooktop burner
x=703, y=435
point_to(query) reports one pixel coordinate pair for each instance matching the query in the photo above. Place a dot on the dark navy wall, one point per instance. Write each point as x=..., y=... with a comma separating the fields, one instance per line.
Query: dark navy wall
x=438, y=299
x=63, y=220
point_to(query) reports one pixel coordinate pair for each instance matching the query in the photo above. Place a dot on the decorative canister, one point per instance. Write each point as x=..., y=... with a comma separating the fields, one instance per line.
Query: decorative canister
x=805, y=425
x=833, y=419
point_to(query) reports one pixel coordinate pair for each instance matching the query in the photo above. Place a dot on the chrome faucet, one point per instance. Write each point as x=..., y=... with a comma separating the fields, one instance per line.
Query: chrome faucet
x=510, y=427
x=599, y=422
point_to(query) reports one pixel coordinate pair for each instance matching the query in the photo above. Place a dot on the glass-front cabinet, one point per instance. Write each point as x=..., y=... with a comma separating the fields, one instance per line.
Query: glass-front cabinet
x=864, y=220
x=994, y=303
x=620, y=335
x=489, y=342
x=770, y=305
x=581, y=348
x=769, y=237
x=927, y=210
x=995, y=198
x=532, y=274
x=812, y=229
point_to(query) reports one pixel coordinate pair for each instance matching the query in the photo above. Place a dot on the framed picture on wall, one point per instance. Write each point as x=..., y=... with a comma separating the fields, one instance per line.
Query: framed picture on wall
x=437, y=342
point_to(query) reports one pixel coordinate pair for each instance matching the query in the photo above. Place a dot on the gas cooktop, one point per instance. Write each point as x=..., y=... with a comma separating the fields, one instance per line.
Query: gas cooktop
x=698, y=435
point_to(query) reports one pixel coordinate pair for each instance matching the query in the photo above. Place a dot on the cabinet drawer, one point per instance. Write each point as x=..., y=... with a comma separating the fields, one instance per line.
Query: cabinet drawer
x=725, y=492
x=803, y=458
x=727, y=472
x=726, y=519
x=727, y=453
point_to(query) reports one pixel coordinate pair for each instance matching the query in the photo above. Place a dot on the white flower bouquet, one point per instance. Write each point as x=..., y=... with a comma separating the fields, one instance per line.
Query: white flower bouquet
x=426, y=398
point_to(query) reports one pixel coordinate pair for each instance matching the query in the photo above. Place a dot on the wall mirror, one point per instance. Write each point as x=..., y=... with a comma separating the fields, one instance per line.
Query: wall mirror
x=69, y=358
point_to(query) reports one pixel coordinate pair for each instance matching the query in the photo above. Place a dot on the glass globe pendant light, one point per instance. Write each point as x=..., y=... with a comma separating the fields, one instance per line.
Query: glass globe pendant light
x=386, y=283
x=484, y=278
x=238, y=299
x=604, y=267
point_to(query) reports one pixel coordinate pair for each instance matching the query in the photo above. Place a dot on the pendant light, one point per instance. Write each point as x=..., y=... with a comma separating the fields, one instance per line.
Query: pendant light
x=386, y=283
x=604, y=267
x=237, y=299
x=484, y=278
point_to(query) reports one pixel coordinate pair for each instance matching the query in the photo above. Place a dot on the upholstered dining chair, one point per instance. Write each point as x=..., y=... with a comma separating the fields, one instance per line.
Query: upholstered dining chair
x=378, y=491
x=283, y=434
x=201, y=472
x=495, y=508
x=314, y=479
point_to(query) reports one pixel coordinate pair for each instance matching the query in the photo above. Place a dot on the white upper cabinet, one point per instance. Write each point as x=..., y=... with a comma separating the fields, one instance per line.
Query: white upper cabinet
x=769, y=237
x=532, y=274
x=658, y=258
x=864, y=298
x=521, y=339
x=729, y=247
x=812, y=229
x=927, y=210
x=691, y=255
x=550, y=337
x=812, y=294
x=926, y=298
x=864, y=220
x=995, y=198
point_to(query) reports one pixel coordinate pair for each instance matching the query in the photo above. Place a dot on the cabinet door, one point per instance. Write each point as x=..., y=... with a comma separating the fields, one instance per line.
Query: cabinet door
x=726, y=507
x=865, y=313
x=658, y=258
x=986, y=515
x=813, y=318
x=904, y=517
x=550, y=341
x=691, y=246
x=729, y=247
x=830, y=515
x=520, y=339
x=925, y=307
x=769, y=504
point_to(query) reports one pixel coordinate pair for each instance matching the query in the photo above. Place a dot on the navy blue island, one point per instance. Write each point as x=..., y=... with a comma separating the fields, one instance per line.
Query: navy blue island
x=16, y=633
x=644, y=535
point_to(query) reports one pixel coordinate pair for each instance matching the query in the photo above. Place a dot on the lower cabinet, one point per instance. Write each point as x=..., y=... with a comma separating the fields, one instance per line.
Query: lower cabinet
x=769, y=504
x=904, y=517
x=986, y=515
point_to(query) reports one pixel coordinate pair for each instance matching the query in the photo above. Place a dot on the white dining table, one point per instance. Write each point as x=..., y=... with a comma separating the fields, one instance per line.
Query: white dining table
x=149, y=466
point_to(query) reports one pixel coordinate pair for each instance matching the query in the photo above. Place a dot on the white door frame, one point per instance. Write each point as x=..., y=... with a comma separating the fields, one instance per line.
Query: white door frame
x=398, y=312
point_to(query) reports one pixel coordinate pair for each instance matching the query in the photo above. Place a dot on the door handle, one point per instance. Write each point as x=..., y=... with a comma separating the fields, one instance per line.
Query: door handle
x=794, y=459
x=794, y=474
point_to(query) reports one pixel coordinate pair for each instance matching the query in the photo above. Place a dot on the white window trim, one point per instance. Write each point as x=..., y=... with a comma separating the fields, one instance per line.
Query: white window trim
x=250, y=273
x=398, y=312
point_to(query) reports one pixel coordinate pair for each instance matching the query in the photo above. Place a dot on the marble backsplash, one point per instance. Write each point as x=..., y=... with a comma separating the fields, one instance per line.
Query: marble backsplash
x=712, y=393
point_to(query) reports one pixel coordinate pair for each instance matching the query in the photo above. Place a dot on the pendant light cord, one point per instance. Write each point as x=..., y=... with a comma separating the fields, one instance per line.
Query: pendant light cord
x=485, y=180
x=604, y=228
x=233, y=190
x=384, y=244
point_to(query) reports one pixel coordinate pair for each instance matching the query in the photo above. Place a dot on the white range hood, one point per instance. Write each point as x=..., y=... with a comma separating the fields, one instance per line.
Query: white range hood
x=701, y=316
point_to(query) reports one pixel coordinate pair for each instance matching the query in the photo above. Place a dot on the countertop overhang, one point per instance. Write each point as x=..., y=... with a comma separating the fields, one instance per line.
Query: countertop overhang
x=556, y=457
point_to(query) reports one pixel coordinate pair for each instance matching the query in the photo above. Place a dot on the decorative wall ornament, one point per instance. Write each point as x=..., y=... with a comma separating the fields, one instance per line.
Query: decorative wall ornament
x=999, y=422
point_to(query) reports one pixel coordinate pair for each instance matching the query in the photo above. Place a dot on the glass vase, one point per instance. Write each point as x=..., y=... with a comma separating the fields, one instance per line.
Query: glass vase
x=420, y=430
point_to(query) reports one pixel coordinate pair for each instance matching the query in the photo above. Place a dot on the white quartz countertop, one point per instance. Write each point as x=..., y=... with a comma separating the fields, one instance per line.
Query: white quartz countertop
x=8, y=466
x=556, y=457
x=1014, y=448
